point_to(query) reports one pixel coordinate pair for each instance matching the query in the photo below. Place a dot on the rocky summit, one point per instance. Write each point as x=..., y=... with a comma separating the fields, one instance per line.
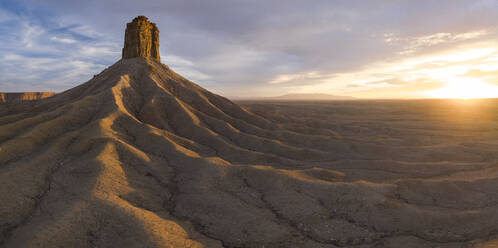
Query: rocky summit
x=141, y=39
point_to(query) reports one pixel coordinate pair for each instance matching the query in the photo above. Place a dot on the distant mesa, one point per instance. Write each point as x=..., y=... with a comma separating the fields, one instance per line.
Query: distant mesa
x=17, y=97
x=318, y=97
x=141, y=39
x=303, y=97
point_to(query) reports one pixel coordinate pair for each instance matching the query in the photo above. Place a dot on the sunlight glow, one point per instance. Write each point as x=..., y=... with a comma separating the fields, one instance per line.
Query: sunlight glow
x=465, y=88
x=466, y=72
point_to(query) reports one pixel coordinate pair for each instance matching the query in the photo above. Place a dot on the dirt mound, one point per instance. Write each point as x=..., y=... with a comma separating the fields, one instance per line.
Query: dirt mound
x=141, y=157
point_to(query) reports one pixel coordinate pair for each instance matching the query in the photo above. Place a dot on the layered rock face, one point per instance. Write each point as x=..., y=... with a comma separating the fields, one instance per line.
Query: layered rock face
x=141, y=39
x=23, y=96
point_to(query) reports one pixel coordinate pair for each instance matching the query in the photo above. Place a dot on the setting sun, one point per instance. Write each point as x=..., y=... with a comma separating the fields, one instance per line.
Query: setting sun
x=465, y=88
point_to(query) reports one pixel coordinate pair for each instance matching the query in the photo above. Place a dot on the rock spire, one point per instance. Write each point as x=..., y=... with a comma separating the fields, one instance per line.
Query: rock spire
x=141, y=39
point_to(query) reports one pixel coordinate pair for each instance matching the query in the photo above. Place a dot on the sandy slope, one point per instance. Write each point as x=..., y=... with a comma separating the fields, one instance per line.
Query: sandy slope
x=141, y=157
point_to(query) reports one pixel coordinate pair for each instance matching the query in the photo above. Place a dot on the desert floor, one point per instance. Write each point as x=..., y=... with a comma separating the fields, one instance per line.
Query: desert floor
x=440, y=156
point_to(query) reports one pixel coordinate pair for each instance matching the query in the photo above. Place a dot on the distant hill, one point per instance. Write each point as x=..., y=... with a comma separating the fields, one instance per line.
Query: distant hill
x=303, y=97
x=14, y=97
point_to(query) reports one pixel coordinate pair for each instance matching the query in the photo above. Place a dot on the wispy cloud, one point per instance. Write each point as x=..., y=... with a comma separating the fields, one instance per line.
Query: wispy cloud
x=414, y=44
x=284, y=78
x=63, y=40
x=411, y=76
x=187, y=68
x=49, y=57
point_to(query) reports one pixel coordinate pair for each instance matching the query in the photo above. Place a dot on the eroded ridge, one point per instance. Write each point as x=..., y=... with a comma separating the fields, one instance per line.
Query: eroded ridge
x=140, y=156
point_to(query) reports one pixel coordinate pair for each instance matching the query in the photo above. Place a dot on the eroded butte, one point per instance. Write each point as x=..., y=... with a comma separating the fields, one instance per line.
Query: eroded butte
x=141, y=157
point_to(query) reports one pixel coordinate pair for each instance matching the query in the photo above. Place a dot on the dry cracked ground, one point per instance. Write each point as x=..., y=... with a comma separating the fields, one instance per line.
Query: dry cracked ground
x=141, y=157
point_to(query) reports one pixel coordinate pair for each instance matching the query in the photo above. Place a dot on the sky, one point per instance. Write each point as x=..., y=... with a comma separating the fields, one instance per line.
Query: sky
x=261, y=48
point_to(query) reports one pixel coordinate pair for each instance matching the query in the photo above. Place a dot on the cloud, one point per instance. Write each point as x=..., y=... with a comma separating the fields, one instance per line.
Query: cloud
x=250, y=48
x=388, y=82
x=186, y=68
x=414, y=44
x=292, y=77
x=404, y=77
x=63, y=40
x=47, y=56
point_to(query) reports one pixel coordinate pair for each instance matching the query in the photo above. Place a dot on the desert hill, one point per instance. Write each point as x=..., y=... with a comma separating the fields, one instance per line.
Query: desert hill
x=16, y=97
x=139, y=156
